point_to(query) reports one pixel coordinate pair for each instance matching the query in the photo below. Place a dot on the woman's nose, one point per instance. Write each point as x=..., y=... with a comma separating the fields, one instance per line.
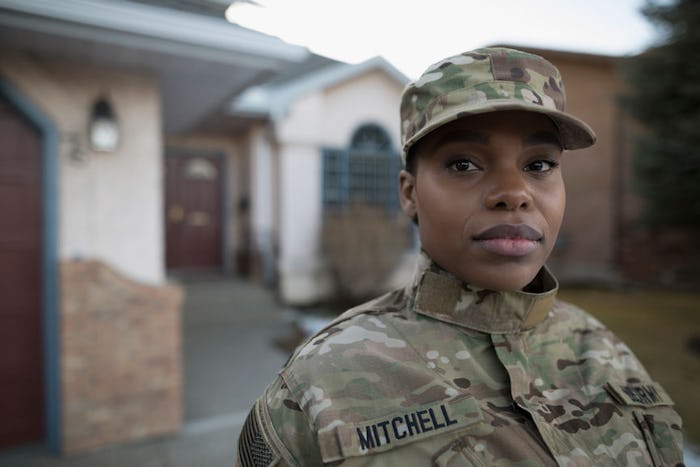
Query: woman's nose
x=509, y=192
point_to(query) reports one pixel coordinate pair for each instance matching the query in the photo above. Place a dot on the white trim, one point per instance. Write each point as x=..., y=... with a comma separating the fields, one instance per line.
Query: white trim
x=122, y=22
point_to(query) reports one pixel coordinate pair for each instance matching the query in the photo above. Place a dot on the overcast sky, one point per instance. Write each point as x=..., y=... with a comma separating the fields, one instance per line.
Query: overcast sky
x=414, y=34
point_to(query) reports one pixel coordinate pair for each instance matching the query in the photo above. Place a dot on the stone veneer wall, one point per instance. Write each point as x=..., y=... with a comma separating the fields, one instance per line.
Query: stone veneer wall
x=121, y=365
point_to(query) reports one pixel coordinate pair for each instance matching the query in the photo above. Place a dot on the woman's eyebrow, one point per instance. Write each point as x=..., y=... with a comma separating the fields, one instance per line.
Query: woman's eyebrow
x=542, y=137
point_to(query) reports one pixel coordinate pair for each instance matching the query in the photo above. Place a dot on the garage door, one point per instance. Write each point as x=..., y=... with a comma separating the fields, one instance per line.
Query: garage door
x=21, y=384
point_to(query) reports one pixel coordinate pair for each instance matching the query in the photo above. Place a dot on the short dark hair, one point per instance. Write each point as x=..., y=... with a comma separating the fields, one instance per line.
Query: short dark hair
x=411, y=165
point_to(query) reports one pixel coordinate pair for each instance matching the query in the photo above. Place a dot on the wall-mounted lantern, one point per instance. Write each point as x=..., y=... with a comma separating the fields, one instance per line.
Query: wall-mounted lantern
x=103, y=128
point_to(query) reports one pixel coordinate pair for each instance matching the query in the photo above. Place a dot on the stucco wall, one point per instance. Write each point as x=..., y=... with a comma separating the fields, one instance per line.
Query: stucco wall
x=109, y=204
x=326, y=118
x=110, y=248
x=263, y=197
x=374, y=97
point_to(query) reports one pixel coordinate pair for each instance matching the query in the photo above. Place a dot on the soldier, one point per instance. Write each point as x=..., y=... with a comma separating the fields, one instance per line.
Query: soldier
x=474, y=362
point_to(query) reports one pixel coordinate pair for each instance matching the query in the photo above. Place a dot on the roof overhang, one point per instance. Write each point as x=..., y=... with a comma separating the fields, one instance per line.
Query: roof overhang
x=202, y=61
x=273, y=100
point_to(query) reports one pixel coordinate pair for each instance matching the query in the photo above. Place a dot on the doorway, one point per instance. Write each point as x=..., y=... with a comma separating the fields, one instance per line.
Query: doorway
x=194, y=185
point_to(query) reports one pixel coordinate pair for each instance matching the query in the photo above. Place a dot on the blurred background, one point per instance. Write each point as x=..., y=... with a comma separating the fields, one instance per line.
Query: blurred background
x=188, y=188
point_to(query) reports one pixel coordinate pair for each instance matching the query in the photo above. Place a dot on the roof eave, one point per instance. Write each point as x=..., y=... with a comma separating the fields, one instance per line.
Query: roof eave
x=147, y=27
x=274, y=100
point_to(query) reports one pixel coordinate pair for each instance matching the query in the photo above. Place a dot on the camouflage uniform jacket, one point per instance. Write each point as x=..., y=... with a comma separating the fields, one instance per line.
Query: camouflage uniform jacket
x=441, y=374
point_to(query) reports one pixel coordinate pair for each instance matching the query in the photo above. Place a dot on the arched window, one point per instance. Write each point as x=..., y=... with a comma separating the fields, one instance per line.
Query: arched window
x=370, y=137
x=366, y=171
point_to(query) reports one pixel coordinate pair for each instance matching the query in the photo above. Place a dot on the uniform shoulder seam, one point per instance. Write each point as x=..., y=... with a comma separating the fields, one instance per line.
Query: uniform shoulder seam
x=376, y=304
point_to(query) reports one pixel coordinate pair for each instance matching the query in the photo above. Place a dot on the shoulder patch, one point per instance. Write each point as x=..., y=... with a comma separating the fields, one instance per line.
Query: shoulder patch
x=645, y=395
x=253, y=448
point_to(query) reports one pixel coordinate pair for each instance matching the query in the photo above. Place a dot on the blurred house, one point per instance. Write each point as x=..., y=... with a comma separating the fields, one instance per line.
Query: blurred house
x=89, y=93
x=322, y=136
x=230, y=148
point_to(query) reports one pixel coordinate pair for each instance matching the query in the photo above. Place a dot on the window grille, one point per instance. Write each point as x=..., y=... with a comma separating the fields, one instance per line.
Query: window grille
x=367, y=171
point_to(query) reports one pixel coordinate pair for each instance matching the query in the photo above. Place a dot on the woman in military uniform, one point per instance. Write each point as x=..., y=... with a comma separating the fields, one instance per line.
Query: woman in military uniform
x=475, y=362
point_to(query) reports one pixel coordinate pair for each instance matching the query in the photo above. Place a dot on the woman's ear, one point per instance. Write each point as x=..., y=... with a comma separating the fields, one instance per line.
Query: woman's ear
x=407, y=194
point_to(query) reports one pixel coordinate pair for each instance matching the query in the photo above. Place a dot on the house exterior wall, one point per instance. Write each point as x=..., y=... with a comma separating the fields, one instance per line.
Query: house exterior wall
x=263, y=206
x=326, y=118
x=587, y=246
x=118, y=381
x=110, y=205
x=376, y=97
x=301, y=269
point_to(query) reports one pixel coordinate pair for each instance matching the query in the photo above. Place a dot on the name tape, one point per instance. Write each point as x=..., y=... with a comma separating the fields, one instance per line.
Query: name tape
x=401, y=428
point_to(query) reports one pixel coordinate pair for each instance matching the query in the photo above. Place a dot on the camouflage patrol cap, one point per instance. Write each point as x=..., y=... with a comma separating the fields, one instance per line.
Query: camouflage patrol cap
x=488, y=80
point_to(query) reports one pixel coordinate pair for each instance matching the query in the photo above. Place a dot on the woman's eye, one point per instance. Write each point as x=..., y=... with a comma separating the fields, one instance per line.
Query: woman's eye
x=541, y=166
x=462, y=165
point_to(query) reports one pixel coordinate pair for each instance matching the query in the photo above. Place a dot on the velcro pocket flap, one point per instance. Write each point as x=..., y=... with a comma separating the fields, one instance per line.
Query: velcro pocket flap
x=645, y=394
x=397, y=429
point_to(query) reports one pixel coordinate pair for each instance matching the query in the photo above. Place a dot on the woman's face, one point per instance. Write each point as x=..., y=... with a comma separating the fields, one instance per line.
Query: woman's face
x=488, y=194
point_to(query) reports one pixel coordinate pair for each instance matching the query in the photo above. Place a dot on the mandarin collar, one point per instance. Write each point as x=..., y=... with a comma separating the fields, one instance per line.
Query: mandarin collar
x=441, y=295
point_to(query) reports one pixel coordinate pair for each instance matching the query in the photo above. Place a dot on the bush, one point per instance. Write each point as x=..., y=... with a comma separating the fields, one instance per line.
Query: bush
x=362, y=246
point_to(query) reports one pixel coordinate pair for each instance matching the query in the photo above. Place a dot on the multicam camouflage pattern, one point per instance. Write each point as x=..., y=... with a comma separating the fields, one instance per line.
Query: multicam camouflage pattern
x=442, y=374
x=487, y=80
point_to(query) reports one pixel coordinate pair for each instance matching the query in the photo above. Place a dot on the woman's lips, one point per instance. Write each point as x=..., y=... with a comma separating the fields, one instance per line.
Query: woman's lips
x=509, y=246
x=509, y=239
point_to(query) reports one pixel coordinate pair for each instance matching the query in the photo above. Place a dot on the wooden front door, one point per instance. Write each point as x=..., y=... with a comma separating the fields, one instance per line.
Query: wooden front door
x=193, y=195
x=21, y=368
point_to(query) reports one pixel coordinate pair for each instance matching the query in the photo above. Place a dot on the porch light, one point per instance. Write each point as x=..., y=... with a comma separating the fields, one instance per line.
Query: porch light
x=103, y=129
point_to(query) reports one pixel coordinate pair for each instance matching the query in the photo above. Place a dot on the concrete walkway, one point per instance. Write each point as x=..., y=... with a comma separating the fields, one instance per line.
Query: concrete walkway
x=229, y=356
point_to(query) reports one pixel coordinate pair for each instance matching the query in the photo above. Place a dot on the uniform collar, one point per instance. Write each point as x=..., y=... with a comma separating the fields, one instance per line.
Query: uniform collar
x=441, y=295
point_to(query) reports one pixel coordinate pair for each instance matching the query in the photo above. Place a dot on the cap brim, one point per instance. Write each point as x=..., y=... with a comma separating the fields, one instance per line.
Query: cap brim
x=574, y=133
